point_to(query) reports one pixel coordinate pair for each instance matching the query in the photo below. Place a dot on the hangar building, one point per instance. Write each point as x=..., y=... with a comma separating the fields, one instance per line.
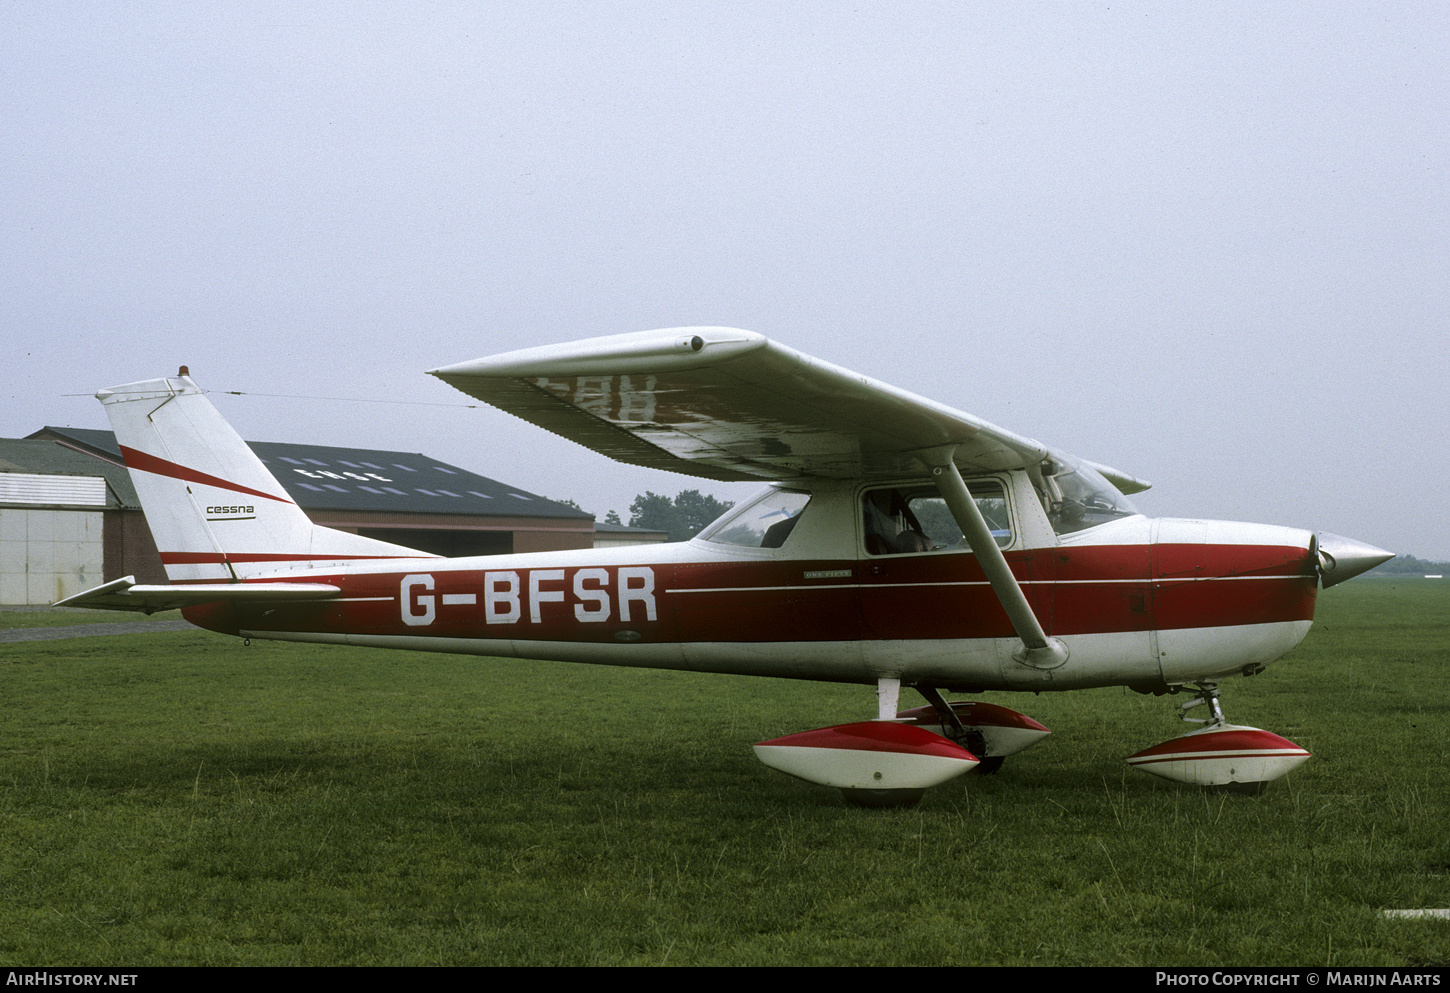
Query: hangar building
x=54, y=506
x=70, y=519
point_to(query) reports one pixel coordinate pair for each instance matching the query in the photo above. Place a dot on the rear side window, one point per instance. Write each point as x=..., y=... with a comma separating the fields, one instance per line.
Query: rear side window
x=764, y=523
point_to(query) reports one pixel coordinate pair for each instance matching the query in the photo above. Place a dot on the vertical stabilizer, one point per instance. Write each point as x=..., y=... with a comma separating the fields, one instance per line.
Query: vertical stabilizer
x=216, y=512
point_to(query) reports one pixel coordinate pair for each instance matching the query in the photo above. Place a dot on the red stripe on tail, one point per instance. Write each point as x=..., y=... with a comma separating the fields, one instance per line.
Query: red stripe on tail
x=161, y=467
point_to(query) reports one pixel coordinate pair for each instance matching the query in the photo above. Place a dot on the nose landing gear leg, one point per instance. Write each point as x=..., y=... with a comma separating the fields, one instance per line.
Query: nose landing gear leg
x=1220, y=755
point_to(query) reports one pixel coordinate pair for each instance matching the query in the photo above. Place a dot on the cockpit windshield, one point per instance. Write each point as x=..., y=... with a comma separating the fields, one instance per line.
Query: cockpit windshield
x=1077, y=497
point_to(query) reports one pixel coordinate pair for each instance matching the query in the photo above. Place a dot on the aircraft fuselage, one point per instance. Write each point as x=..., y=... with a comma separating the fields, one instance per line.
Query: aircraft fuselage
x=1136, y=601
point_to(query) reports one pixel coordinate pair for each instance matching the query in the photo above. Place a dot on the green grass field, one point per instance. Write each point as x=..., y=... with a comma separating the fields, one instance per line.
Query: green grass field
x=179, y=798
x=24, y=617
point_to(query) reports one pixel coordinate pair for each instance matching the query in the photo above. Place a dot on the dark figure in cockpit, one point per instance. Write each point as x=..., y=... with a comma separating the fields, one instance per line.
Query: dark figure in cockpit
x=891, y=527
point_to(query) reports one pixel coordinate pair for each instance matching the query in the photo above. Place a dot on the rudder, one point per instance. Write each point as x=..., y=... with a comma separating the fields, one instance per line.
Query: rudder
x=215, y=510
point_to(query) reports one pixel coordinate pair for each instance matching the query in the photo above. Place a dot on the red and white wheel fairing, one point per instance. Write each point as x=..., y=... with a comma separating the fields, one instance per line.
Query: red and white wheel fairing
x=869, y=755
x=1004, y=730
x=1221, y=755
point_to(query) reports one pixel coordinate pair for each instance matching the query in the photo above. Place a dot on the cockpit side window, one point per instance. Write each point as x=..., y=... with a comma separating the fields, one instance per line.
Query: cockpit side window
x=898, y=520
x=764, y=523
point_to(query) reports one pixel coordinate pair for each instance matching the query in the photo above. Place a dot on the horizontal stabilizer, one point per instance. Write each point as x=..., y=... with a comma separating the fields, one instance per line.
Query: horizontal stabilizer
x=125, y=594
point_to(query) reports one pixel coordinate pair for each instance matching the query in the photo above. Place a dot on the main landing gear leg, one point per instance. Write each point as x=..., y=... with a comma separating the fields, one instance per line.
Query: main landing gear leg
x=888, y=762
x=888, y=693
x=969, y=738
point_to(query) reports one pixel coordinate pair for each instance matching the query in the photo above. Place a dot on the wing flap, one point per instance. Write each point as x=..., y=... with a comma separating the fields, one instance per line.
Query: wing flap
x=125, y=594
x=726, y=404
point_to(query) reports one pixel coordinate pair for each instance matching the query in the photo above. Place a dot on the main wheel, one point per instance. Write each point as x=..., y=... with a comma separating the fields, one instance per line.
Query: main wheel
x=973, y=742
x=1242, y=789
x=883, y=799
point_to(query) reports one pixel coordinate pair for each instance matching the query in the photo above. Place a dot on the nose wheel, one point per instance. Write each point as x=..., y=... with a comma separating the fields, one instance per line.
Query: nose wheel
x=1220, y=755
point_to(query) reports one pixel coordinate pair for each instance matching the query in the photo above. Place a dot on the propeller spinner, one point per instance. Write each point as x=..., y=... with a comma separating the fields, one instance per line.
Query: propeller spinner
x=1342, y=558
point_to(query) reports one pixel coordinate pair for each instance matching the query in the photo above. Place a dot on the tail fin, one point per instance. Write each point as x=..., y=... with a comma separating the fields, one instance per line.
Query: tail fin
x=215, y=511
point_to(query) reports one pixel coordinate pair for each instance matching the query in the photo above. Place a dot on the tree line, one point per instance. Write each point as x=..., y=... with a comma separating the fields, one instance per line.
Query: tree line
x=1408, y=565
x=683, y=516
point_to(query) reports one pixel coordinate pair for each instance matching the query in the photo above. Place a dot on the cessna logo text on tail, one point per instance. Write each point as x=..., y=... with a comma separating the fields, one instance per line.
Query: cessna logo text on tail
x=898, y=542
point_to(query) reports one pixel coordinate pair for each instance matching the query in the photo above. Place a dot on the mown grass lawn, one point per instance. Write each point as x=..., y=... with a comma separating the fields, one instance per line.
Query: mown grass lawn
x=184, y=799
x=46, y=617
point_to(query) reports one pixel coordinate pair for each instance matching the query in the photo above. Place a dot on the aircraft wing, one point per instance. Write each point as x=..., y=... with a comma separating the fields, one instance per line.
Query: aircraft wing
x=731, y=405
x=125, y=594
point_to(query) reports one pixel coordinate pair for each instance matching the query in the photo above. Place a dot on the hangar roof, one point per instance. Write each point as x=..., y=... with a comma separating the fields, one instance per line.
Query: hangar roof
x=323, y=477
x=47, y=458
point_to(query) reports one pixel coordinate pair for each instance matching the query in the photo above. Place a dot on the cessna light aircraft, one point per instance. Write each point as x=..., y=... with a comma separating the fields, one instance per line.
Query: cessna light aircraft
x=899, y=543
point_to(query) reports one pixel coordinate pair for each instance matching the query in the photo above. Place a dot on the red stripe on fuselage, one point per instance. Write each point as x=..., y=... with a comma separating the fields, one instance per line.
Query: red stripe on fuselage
x=921, y=597
x=150, y=463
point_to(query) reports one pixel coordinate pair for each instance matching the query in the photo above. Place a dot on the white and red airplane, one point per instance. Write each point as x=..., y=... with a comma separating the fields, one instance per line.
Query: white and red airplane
x=899, y=543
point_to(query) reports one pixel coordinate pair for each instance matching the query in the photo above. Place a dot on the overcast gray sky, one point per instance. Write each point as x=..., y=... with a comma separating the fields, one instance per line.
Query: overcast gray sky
x=1204, y=243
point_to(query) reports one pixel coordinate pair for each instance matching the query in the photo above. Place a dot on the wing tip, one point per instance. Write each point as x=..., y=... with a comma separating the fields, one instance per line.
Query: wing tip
x=620, y=354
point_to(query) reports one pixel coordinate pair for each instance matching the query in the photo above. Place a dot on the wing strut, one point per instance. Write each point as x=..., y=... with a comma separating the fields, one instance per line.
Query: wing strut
x=1037, y=648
